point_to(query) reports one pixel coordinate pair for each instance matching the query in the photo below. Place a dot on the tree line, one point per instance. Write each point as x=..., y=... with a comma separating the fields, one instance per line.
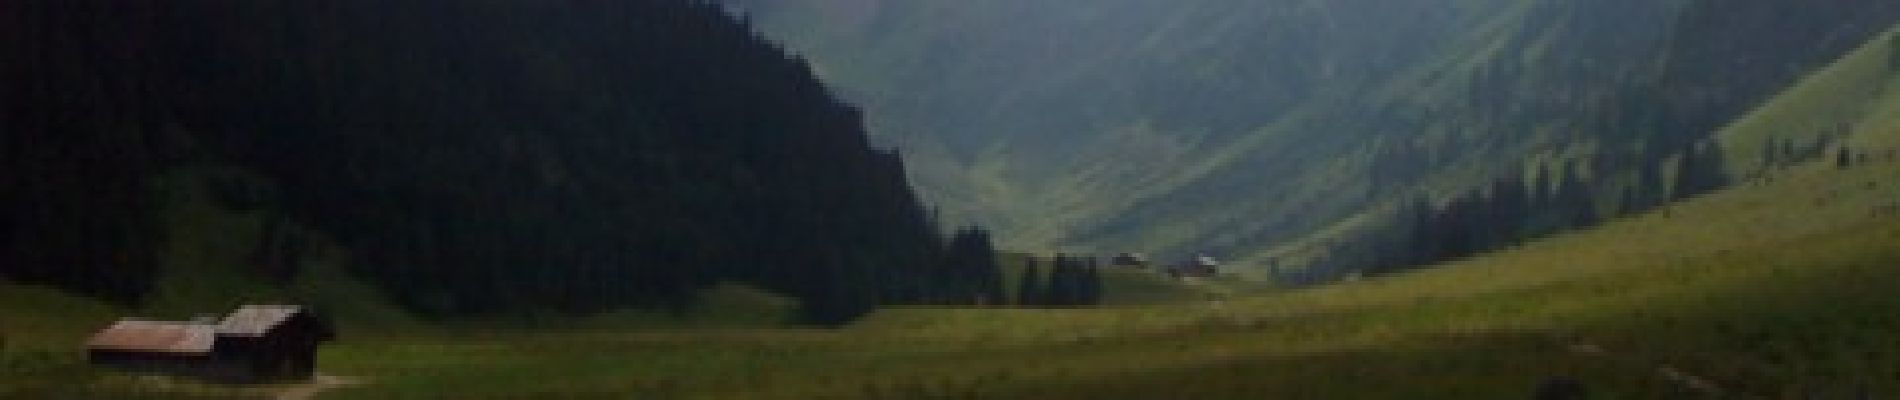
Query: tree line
x=1071, y=282
x=1510, y=210
x=1636, y=115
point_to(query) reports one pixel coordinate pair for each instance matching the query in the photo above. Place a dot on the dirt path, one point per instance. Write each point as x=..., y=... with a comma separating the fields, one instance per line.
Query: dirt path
x=317, y=384
x=1667, y=372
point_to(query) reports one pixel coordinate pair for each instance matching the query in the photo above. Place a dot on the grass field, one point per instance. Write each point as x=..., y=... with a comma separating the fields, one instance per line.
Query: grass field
x=1781, y=287
x=1728, y=296
x=1766, y=291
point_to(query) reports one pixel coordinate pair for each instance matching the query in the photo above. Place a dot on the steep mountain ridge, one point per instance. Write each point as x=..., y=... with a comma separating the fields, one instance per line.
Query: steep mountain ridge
x=1269, y=129
x=1061, y=127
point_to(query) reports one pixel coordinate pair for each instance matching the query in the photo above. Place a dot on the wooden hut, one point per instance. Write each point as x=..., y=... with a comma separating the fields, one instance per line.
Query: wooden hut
x=255, y=343
x=1129, y=260
x=1200, y=266
x=271, y=342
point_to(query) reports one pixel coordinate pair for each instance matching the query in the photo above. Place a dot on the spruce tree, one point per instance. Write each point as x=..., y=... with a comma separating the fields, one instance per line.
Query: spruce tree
x=1091, y=293
x=1030, y=291
x=1699, y=170
x=1770, y=154
x=1062, y=282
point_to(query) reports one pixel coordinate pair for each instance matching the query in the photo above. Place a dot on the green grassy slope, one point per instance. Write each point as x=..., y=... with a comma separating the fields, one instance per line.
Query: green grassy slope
x=1811, y=112
x=1858, y=90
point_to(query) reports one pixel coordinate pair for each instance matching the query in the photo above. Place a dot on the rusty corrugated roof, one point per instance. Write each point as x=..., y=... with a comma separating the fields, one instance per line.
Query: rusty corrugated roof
x=256, y=320
x=154, y=336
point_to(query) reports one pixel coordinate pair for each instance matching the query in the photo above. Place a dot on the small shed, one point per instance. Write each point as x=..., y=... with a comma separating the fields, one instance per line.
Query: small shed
x=1199, y=266
x=271, y=342
x=255, y=343
x=1129, y=260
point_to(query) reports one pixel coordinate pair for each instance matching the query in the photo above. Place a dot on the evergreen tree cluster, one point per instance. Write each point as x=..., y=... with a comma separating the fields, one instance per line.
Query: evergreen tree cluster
x=1072, y=282
x=1648, y=101
x=1509, y=211
x=1783, y=152
x=1699, y=170
x=473, y=157
x=970, y=273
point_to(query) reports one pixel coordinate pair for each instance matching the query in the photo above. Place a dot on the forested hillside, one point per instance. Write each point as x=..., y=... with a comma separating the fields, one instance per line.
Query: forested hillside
x=1298, y=131
x=472, y=157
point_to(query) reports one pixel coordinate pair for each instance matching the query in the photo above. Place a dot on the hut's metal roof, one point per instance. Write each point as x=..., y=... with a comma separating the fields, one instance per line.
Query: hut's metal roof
x=256, y=320
x=155, y=336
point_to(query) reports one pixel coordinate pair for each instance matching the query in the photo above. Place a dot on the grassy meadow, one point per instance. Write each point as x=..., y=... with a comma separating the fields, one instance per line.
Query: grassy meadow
x=1723, y=297
x=1774, y=290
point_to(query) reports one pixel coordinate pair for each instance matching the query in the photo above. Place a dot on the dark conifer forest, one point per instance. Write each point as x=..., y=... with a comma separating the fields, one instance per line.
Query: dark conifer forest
x=472, y=156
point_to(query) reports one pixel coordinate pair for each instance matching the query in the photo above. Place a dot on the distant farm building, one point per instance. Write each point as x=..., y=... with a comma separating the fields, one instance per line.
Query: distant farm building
x=1129, y=260
x=1200, y=266
x=255, y=343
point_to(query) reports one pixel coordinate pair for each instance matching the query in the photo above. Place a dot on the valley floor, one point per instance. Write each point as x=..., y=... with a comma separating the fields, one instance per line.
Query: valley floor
x=1775, y=289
